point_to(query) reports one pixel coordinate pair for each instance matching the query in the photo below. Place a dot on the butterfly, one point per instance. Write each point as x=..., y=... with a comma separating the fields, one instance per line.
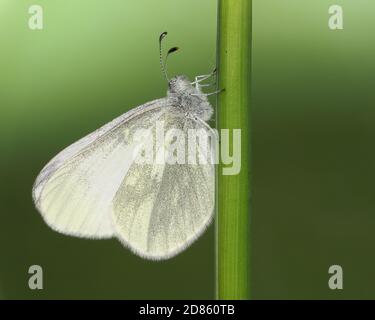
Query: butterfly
x=99, y=188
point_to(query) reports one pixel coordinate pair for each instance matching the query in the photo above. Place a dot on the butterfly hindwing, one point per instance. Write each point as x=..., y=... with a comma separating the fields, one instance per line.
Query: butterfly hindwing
x=160, y=209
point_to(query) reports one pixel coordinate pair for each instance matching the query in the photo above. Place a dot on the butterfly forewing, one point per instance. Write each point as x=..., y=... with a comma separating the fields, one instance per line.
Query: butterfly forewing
x=74, y=191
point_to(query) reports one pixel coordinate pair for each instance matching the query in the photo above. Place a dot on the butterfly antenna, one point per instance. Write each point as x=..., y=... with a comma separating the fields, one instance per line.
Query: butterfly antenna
x=163, y=63
x=171, y=50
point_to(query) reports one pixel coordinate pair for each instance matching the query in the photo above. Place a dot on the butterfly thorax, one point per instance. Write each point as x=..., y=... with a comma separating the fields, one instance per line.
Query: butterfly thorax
x=188, y=99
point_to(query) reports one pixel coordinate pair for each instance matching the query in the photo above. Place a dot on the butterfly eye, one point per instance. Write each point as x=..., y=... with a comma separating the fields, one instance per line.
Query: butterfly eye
x=172, y=83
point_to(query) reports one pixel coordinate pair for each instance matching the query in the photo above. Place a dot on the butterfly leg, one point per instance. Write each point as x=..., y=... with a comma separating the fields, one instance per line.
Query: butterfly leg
x=208, y=84
x=198, y=85
x=208, y=94
x=203, y=77
x=199, y=79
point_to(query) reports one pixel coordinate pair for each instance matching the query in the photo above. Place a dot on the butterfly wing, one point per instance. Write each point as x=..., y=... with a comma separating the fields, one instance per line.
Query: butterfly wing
x=160, y=209
x=74, y=191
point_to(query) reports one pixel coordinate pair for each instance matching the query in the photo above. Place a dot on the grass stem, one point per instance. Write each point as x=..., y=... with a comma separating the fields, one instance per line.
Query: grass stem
x=233, y=223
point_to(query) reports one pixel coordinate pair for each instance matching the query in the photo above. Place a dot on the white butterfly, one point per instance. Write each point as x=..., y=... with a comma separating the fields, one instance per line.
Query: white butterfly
x=95, y=188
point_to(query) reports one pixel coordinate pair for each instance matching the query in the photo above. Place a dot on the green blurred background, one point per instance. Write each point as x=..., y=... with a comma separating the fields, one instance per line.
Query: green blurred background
x=312, y=116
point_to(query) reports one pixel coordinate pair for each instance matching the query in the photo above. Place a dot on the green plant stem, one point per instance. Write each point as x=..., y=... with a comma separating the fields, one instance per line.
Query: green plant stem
x=233, y=225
